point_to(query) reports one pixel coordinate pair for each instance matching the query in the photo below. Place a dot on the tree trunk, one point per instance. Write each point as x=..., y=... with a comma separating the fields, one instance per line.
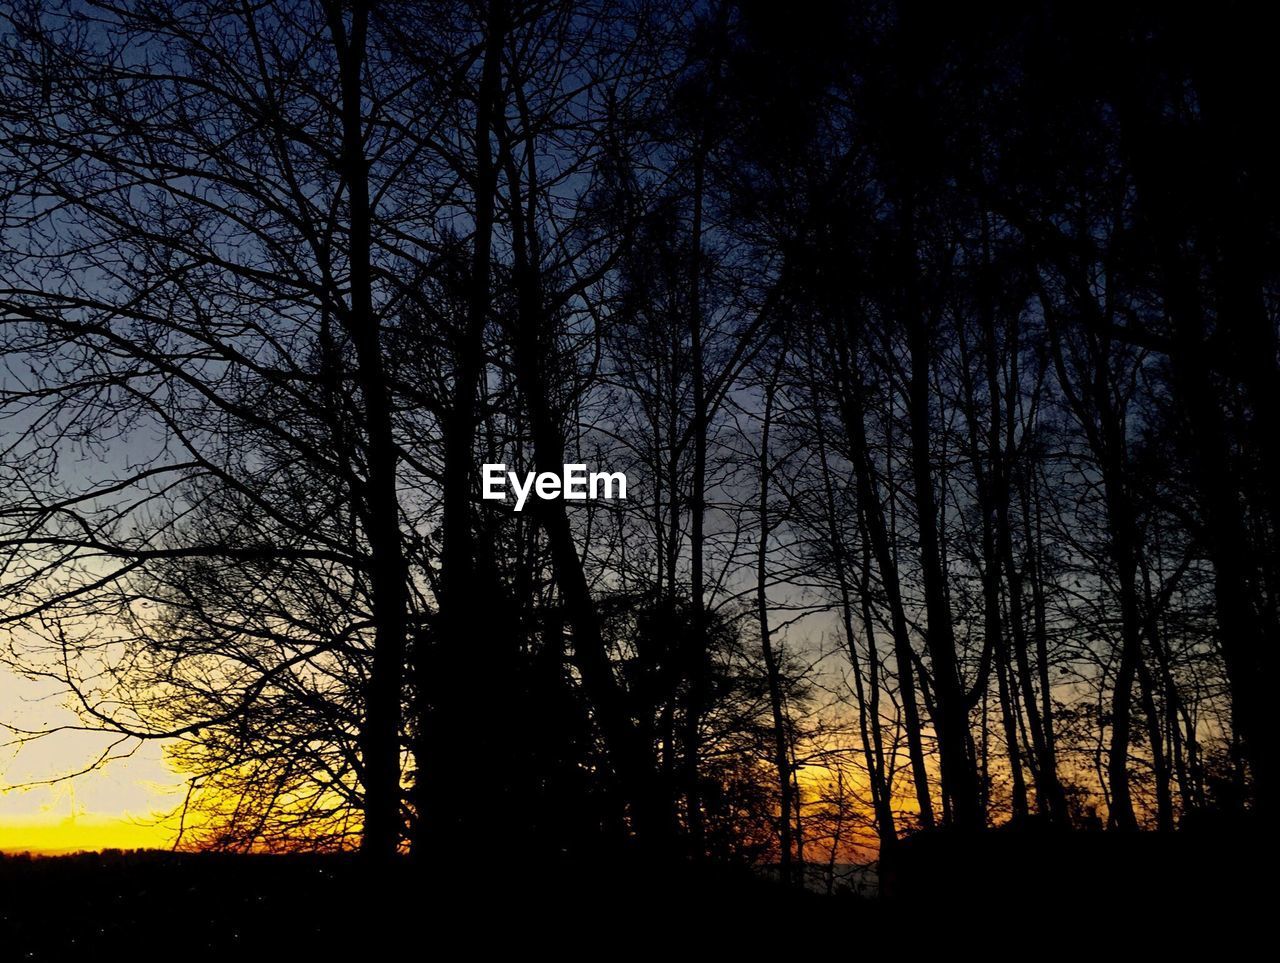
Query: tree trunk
x=959, y=776
x=1039, y=621
x=380, y=737
x=698, y=667
x=447, y=728
x=773, y=674
x=868, y=708
x=1249, y=636
x=872, y=512
x=631, y=757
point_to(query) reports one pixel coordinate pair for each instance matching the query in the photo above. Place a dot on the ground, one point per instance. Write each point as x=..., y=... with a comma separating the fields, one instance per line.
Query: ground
x=149, y=905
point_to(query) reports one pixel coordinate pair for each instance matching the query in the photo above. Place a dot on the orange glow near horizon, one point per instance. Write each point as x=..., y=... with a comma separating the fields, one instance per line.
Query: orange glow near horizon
x=88, y=832
x=125, y=804
x=131, y=803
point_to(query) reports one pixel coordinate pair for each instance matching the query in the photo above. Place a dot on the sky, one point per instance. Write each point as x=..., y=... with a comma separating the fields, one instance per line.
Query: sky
x=122, y=805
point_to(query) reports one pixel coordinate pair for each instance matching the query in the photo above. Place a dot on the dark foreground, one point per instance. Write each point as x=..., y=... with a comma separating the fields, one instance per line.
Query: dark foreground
x=151, y=905
x=168, y=906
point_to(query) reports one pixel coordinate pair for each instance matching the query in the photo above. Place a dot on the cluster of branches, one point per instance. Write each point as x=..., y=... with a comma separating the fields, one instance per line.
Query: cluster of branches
x=939, y=349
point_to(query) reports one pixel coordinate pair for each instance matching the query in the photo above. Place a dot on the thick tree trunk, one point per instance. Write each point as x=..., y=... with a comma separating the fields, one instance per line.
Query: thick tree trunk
x=1249, y=638
x=447, y=727
x=1249, y=633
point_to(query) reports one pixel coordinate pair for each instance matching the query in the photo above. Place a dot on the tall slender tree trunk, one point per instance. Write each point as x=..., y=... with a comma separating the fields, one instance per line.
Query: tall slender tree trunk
x=699, y=669
x=1122, y=813
x=773, y=673
x=1018, y=806
x=1051, y=801
x=1110, y=448
x=1181, y=745
x=380, y=735
x=1092, y=401
x=959, y=774
x=868, y=704
x=1156, y=743
x=872, y=511
x=1033, y=537
x=989, y=469
x=628, y=751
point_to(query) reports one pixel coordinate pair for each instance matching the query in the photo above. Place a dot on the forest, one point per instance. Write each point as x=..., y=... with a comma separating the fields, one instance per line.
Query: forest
x=937, y=344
